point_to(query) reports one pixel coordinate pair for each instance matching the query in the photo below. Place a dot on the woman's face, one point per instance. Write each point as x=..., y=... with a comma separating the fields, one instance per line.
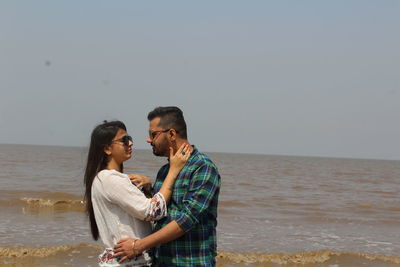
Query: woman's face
x=120, y=150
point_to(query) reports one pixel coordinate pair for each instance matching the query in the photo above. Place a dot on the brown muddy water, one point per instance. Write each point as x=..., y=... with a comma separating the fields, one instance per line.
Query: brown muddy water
x=273, y=210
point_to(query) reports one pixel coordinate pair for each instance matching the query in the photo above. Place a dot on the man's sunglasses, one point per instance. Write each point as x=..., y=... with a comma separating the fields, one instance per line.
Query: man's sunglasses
x=155, y=134
x=125, y=140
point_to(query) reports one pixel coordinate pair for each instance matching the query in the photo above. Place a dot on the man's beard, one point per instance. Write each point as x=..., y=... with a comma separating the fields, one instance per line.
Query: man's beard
x=160, y=152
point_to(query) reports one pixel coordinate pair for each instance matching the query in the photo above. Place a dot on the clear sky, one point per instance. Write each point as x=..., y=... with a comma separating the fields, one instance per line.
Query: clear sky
x=314, y=78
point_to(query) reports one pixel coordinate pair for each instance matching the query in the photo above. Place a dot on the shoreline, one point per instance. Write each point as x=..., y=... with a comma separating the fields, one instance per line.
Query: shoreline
x=86, y=253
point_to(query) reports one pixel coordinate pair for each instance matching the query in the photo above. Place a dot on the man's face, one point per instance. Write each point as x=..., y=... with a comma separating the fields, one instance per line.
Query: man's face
x=158, y=138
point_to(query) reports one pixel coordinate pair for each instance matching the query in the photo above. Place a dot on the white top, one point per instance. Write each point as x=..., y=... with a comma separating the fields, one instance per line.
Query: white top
x=121, y=210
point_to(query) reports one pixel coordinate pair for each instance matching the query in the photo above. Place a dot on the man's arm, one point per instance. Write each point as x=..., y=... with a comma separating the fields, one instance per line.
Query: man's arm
x=204, y=185
x=126, y=249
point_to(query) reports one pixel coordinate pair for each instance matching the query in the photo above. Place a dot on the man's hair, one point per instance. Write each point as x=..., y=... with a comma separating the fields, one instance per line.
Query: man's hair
x=170, y=117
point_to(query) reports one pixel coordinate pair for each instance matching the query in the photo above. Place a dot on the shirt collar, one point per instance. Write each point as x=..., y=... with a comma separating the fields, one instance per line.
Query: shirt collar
x=194, y=152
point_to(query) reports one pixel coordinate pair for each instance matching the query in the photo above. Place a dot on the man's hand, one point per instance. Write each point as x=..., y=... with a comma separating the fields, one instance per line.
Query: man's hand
x=140, y=180
x=124, y=249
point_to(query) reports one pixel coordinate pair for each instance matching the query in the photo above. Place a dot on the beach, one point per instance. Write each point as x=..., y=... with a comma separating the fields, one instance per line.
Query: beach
x=273, y=210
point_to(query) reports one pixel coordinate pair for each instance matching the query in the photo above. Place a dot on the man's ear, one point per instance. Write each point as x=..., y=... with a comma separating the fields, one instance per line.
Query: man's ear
x=107, y=150
x=172, y=135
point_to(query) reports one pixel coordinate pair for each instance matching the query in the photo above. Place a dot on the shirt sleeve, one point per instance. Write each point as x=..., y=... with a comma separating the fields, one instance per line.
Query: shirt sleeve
x=204, y=184
x=122, y=193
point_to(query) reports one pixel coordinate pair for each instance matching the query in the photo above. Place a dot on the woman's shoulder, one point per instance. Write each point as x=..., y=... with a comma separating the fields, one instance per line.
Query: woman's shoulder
x=105, y=175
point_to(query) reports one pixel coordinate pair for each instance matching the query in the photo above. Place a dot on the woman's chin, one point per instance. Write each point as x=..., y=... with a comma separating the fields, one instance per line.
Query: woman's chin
x=128, y=156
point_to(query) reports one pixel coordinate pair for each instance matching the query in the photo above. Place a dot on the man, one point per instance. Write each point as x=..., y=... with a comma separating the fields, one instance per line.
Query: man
x=187, y=236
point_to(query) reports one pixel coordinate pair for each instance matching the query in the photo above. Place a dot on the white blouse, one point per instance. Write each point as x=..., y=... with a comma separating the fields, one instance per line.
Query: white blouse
x=121, y=210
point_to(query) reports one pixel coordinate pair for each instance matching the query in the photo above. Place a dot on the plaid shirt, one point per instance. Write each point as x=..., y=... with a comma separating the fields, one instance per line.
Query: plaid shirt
x=193, y=206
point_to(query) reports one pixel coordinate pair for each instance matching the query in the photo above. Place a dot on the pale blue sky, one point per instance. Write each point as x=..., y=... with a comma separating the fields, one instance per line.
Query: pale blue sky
x=315, y=78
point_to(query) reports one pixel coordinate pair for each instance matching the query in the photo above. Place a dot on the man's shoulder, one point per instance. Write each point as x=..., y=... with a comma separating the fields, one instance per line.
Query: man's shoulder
x=163, y=170
x=165, y=166
x=200, y=159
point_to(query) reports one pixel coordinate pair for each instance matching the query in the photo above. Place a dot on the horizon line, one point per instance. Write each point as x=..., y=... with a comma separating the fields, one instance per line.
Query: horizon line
x=222, y=152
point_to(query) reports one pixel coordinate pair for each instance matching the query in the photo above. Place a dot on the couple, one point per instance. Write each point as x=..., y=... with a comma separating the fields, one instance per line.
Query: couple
x=182, y=203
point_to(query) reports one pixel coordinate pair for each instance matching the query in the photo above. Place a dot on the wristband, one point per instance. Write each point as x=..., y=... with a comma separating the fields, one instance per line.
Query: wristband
x=133, y=249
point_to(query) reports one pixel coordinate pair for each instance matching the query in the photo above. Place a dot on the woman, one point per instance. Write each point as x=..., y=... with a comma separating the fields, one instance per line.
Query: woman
x=117, y=208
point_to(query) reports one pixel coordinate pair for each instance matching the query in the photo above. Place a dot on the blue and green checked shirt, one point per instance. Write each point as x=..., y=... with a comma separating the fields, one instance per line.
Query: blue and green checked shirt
x=193, y=206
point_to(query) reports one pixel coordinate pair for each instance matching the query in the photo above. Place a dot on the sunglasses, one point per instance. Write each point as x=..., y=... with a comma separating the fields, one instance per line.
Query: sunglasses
x=125, y=140
x=154, y=135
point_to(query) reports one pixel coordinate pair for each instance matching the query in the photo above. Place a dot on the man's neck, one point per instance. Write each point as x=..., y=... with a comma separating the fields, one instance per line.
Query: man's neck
x=178, y=144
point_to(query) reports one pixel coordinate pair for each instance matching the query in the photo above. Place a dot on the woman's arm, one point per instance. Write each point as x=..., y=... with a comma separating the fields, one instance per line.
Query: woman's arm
x=176, y=163
x=122, y=193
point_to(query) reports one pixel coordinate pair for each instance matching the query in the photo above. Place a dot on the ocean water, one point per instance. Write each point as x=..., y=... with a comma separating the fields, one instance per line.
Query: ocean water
x=273, y=210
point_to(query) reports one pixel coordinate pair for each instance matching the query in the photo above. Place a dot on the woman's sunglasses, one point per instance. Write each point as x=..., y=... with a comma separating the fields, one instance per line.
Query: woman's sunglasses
x=125, y=140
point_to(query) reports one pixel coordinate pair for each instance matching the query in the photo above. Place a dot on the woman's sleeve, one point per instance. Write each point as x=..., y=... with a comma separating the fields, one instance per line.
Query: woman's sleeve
x=122, y=193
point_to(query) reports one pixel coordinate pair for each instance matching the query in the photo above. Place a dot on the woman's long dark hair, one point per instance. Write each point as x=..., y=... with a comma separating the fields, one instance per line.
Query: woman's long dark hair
x=97, y=160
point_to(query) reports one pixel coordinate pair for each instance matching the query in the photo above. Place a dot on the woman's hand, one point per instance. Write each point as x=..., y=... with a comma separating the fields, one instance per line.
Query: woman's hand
x=177, y=161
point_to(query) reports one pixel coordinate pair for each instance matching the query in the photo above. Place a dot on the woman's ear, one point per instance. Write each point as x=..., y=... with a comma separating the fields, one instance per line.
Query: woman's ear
x=107, y=150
